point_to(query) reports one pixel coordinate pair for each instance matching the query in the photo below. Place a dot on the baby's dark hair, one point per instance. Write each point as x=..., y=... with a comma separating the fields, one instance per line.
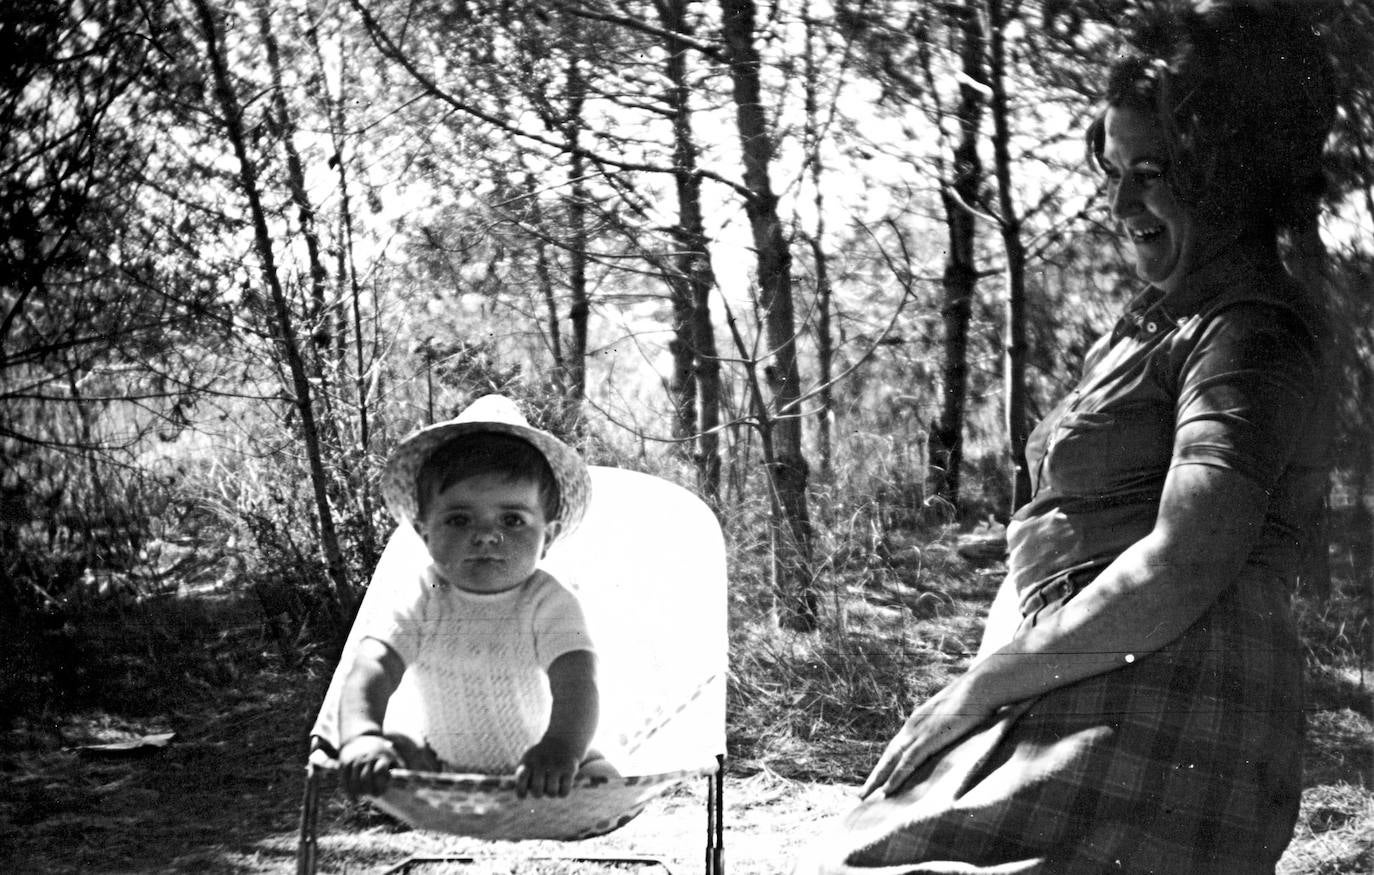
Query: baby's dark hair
x=472, y=455
x=1245, y=96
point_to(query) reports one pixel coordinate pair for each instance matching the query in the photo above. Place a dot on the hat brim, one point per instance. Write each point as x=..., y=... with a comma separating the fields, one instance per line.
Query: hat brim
x=569, y=470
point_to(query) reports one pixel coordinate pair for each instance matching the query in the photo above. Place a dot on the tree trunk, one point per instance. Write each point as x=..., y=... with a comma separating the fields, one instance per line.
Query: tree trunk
x=682, y=384
x=1010, y=226
x=348, y=284
x=577, y=248
x=696, y=358
x=825, y=342
x=321, y=363
x=709, y=393
x=825, y=348
x=285, y=329
x=295, y=178
x=788, y=468
x=545, y=278
x=945, y=445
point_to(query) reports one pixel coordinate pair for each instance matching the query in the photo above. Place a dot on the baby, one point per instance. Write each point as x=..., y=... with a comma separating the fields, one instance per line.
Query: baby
x=498, y=649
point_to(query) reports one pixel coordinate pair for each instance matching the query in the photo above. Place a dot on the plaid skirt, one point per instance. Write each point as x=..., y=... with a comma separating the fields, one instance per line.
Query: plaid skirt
x=1185, y=761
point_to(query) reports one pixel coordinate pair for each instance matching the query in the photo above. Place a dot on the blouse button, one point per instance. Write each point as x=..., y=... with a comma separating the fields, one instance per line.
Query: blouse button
x=1151, y=327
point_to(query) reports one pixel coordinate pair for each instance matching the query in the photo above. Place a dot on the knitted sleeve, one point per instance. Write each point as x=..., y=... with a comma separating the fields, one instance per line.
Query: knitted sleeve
x=559, y=625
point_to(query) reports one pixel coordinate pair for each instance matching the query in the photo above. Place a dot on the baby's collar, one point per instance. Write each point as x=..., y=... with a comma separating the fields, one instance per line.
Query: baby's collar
x=435, y=580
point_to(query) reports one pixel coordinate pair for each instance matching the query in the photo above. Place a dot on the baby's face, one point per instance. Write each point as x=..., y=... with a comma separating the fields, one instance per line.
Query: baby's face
x=487, y=533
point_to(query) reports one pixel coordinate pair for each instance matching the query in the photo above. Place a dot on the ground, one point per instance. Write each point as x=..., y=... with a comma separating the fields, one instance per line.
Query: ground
x=223, y=796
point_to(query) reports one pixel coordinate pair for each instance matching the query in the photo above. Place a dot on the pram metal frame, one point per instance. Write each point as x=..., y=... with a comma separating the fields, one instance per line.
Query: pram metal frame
x=410, y=862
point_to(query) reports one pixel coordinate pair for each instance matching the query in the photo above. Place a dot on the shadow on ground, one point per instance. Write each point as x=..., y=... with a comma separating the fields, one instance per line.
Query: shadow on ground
x=224, y=795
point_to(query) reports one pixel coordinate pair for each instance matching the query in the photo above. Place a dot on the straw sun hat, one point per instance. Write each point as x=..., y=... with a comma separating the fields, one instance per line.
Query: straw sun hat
x=490, y=414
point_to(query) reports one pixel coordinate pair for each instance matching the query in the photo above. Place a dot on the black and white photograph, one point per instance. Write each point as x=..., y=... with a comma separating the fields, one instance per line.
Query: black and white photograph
x=774, y=437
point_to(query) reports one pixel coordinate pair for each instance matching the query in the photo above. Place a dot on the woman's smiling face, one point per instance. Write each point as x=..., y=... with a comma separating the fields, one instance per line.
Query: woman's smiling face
x=1169, y=239
x=1135, y=158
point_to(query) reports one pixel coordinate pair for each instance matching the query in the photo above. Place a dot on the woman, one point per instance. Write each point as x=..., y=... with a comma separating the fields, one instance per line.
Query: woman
x=1145, y=716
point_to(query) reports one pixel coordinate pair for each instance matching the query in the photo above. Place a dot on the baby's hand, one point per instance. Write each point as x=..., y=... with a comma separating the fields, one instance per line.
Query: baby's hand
x=365, y=764
x=547, y=769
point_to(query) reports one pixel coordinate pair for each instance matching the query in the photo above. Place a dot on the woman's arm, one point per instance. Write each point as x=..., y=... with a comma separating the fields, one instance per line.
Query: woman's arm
x=1208, y=521
x=548, y=768
x=1004, y=616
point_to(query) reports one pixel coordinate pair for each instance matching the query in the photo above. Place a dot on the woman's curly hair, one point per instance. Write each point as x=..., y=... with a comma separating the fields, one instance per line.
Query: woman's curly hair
x=1246, y=96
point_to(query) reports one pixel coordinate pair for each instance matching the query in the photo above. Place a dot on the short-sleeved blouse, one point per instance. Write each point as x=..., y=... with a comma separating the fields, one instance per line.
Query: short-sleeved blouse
x=1186, y=760
x=1227, y=373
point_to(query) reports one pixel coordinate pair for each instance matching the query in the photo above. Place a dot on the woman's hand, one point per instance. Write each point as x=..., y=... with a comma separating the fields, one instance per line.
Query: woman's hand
x=1208, y=521
x=938, y=722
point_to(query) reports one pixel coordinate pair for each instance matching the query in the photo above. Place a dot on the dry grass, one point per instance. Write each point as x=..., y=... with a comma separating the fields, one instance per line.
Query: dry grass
x=820, y=707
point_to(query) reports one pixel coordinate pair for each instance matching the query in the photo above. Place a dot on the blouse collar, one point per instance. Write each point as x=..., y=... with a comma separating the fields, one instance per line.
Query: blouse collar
x=1154, y=311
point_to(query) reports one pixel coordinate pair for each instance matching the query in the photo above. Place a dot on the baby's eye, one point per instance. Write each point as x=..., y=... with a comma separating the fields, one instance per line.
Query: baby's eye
x=457, y=520
x=513, y=520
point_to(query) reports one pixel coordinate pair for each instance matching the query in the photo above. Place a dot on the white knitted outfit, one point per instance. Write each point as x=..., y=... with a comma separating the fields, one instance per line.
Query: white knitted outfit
x=480, y=664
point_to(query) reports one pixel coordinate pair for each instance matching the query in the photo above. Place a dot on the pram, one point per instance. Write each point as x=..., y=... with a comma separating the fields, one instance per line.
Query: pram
x=648, y=565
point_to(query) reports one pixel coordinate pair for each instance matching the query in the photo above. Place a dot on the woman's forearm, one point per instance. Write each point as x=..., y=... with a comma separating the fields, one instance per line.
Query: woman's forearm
x=1003, y=618
x=1208, y=522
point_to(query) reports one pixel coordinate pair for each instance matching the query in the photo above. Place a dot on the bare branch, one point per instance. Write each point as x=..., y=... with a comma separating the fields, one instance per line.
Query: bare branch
x=676, y=41
x=389, y=48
